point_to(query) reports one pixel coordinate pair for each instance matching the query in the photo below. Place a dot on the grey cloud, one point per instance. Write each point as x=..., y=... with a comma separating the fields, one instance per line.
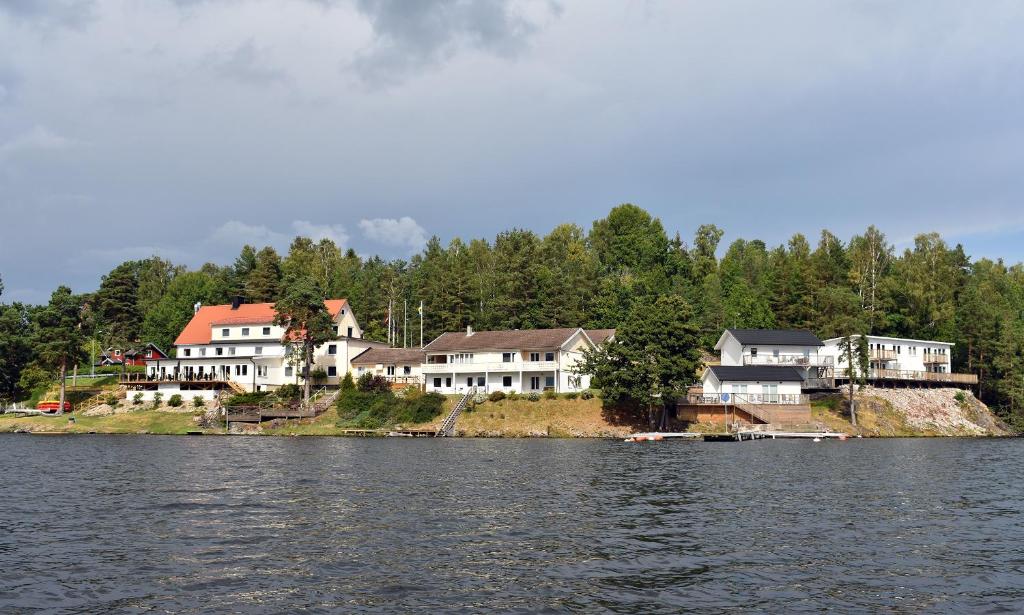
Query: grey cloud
x=246, y=64
x=51, y=12
x=413, y=35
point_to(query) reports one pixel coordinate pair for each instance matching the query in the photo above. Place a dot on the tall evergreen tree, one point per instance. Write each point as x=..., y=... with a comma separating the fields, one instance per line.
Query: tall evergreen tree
x=59, y=340
x=117, y=306
x=264, y=282
x=301, y=311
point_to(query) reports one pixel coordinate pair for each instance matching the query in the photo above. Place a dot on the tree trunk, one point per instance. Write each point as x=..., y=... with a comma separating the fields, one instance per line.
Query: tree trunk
x=63, y=377
x=308, y=360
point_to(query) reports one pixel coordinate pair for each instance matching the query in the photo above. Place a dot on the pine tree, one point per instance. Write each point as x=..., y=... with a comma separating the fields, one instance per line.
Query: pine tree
x=59, y=341
x=264, y=282
x=301, y=311
x=117, y=306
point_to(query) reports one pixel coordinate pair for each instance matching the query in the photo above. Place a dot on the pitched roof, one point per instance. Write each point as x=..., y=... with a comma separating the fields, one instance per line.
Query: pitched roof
x=384, y=356
x=756, y=373
x=600, y=335
x=775, y=337
x=519, y=339
x=199, y=329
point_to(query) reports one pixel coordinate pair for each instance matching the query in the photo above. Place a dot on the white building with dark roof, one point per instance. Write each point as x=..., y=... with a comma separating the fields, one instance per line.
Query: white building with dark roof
x=400, y=366
x=520, y=361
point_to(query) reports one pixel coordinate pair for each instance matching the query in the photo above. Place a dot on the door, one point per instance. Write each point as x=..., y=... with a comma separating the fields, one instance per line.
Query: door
x=771, y=393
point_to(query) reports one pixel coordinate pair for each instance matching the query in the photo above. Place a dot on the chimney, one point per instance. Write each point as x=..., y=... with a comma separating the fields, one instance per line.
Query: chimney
x=235, y=302
x=469, y=330
x=195, y=308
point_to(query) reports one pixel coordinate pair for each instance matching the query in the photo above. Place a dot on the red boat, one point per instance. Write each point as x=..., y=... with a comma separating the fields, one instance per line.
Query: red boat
x=52, y=407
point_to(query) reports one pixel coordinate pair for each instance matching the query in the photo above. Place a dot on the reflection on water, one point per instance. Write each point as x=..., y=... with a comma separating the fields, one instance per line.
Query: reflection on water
x=138, y=523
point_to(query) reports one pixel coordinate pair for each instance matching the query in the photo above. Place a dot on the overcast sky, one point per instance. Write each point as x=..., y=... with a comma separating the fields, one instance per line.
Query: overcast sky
x=187, y=128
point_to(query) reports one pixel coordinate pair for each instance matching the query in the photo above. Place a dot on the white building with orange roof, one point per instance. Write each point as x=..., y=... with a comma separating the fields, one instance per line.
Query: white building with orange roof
x=238, y=346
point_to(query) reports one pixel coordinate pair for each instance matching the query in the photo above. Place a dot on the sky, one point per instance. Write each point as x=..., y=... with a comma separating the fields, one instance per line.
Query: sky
x=187, y=128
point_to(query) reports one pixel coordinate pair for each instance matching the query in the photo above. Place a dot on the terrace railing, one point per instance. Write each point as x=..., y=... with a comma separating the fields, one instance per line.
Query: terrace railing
x=722, y=399
x=796, y=360
x=900, y=374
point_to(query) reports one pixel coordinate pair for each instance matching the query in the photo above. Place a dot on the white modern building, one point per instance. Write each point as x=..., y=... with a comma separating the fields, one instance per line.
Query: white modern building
x=520, y=361
x=400, y=366
x=801, y=350
x=893, y=355
x=761, y=384
x=238, y=346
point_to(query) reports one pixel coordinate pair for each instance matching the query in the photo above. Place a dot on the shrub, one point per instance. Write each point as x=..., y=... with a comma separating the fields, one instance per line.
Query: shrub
x=960, y=397
x=572, y=395
x=115, y=370
x=372, y=383
x=288, y=392
x=174, y=401
x=496, y=396
x=421, y=409
x=318, y=375
x=257, y=398
x=198, y=402
x=157, y=398
x=375, y=409
x=347, y=384
x=137, y=399
x=550, y=394
x=586, y=394
x=533, y=396
x=512, y=396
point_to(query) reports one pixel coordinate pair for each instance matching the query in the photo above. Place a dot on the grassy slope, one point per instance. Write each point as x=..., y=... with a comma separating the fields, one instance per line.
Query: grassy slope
x=521, y=417
x=142, y=421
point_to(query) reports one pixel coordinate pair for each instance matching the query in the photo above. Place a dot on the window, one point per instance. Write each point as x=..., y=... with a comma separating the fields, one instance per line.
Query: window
x=238, y=370
x=266, y=330
x=188, y=352
x=480, y=381
x=469, y=381
x=287, y=372
x=332, y=349
x=337, y=329
x=507, y=357
x=332, y=371
x=753, y=352
x=231, y=351
x=391, y=370
x=220, y=352
x=534, y=356
x=448, y=382
x=464, y=357
x=259, y=350
x=506, y=381
x=245, y=330
x=775, y=353
x=342, y=311
x=202, y=352
x=407, y=370
x=549, y=356
x=534, y=383
x=437, y=383
x=245, y=370
x=149, y=354
x=549, y=382
x=349, y=332
x=225, y=332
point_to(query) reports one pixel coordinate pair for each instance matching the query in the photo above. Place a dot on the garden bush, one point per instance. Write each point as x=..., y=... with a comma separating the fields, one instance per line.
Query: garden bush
x=550, y=394
x=258, y=398
x=137, y=399
x=533, y=396
x=587, y=394
x=157, y=398
x=496, y=396
x=174, y=401
x=572, y=395
x=372, y=383
x=318, y=375
x=288, y=392
x=376, y=409
x=198, y=402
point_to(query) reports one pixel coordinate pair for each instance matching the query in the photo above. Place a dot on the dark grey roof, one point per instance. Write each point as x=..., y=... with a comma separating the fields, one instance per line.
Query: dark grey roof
x=525, y=339
x=756, y=373
x=382, y=356
x=775, y=337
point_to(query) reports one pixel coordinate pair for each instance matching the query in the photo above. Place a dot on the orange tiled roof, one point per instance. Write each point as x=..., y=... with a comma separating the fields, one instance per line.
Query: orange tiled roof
x=199, y=329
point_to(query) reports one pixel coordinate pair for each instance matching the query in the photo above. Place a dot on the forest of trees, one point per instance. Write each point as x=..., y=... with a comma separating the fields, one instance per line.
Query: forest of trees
x=578, y=277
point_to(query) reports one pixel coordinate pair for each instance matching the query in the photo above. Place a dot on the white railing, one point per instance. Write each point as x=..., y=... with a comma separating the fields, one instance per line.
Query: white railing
x=721, y=399
x=512, y=366
x=798, y=360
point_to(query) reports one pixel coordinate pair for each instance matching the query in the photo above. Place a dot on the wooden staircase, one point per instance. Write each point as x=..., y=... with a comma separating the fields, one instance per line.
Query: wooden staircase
x=447, y=428
x=754, y=411
x=237, y=388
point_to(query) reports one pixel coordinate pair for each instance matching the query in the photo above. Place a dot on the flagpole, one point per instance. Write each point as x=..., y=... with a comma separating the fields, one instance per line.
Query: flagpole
x=405, y=323
x=421, y=323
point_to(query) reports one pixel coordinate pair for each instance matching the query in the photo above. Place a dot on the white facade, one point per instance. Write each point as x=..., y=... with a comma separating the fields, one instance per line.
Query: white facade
x=511, y=370
x=900, y=354
x=752, y=391
x=250, y=352
x=734, y=353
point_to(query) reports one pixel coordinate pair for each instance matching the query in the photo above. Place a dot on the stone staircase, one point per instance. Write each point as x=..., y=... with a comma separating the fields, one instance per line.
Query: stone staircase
x=447, y=428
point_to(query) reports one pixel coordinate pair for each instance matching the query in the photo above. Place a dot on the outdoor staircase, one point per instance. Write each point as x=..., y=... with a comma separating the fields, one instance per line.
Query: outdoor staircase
x=447, y=428
x=323, y=399
x=754, y=411
x=237, y=388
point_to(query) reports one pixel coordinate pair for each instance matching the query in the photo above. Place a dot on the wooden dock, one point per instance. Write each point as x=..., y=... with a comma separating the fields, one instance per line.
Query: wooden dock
x=736, y=436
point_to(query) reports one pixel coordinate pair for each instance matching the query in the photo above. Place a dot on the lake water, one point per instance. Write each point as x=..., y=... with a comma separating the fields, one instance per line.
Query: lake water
x=278, y=525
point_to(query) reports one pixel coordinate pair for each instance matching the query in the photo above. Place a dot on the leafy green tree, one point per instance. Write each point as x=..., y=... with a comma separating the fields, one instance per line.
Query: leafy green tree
x=117, y=305
x=854, y=350
x=169, y=316
x=870, y=256
x=59, y=341
x=301, y=311
x=16, y=331
x=652, y=360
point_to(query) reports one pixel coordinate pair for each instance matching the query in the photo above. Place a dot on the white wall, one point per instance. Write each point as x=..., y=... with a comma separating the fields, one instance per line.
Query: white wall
x=909, y=356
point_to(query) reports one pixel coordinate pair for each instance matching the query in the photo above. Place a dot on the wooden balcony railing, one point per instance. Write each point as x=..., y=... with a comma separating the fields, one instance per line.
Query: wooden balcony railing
x=722, y=399
x=882, y=354
x=798, y=360
x=900, y=374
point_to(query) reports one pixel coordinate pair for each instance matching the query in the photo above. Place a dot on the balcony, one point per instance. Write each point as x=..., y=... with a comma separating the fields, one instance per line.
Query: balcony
x=722, y=399
x=882, y=354
x=795, y=360
x=931, y=358
x=474, y=368
x=899, y=374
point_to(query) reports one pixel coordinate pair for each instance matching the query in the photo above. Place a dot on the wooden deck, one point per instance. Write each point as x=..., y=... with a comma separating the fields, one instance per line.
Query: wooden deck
x=896, y=375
